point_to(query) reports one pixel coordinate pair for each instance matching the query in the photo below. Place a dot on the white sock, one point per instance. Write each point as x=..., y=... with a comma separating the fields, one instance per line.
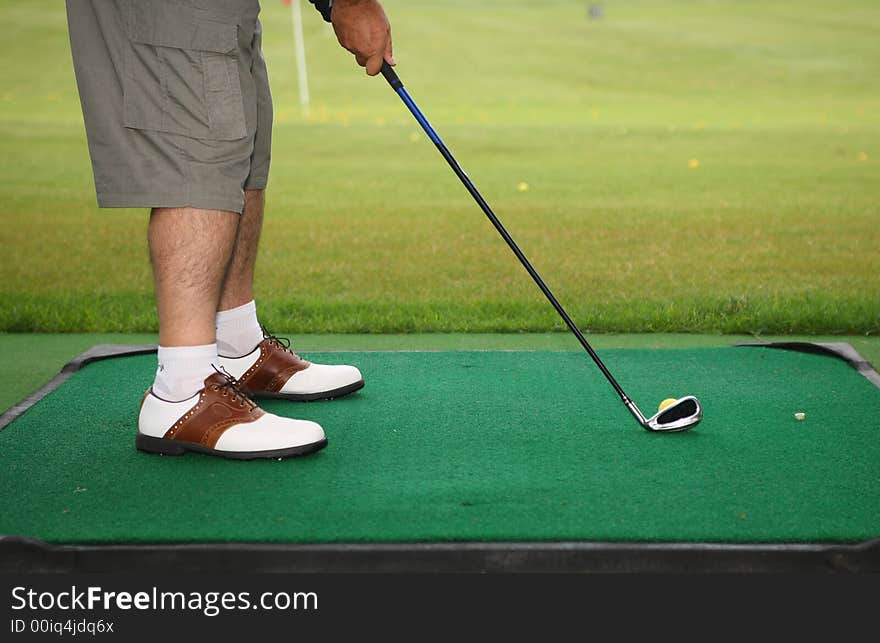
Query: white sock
x=238, y=331
x=182, y=371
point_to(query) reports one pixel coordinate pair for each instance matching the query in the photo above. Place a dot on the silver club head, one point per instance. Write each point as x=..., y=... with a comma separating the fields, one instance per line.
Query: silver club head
x=681, y=415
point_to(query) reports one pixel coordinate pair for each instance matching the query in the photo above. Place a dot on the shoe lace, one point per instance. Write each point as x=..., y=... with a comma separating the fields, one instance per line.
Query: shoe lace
x=282, y=342
x=234, y=386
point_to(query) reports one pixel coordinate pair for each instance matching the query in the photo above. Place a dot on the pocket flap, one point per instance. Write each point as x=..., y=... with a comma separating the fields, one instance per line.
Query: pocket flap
x=167, y=24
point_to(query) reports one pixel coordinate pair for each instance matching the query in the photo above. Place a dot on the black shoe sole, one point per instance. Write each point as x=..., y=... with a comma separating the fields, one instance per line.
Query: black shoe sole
x=164, y=446
x=307, y=397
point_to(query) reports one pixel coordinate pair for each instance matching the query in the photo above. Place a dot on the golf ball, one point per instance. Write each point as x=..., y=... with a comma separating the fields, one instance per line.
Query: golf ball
x=800, y=416
x=522, y=187
x=665, y=403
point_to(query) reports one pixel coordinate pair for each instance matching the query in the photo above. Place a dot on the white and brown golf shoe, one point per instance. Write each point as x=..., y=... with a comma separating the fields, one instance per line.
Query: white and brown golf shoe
x=272, y=370
x=221, y=420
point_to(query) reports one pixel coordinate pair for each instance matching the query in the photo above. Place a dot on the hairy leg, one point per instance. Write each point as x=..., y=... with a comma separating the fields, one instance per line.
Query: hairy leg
x=190, y=251
x=238, y=288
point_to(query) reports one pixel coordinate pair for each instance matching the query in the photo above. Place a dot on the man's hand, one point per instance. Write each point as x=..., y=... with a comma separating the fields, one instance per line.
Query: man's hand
x=362, y=27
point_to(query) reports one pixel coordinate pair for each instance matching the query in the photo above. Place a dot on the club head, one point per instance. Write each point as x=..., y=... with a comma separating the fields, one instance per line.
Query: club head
x=681, y=415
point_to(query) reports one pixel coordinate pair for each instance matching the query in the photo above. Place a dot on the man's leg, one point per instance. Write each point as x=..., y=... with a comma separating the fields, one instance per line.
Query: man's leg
x=238, y=287
x=189, y=250
x=238, y=330
x=265, y=364
x=190, y=407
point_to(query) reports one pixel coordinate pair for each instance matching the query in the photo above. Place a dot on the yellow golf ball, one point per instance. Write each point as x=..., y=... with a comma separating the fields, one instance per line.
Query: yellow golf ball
x=522, y=187
x=665, y=403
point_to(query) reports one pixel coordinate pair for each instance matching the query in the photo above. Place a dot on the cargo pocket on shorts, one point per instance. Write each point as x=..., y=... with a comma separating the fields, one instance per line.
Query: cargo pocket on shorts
x=181, y=72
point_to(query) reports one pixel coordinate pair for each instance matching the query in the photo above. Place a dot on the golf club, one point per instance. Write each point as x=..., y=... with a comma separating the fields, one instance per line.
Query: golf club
x=682, y=414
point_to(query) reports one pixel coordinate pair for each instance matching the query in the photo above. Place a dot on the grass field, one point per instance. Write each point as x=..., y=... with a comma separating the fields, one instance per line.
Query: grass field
x=776, y=229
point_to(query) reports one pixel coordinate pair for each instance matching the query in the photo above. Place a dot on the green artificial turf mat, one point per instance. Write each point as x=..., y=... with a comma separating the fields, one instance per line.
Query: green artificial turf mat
x=470, y=445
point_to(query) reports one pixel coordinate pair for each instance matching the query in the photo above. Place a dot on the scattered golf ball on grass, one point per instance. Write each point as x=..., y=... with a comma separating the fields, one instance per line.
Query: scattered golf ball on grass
x=523, y=187
x=800, y=416
x=668, y=401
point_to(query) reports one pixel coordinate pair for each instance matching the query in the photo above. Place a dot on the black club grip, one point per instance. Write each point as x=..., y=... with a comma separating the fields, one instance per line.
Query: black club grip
x=391, y=76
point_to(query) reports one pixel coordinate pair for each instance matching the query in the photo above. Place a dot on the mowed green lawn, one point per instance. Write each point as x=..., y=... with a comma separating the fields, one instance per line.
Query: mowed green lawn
x=691, y=166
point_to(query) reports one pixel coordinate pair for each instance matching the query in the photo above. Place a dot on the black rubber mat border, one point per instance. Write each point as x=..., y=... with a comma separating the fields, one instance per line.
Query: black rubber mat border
x=19, y=555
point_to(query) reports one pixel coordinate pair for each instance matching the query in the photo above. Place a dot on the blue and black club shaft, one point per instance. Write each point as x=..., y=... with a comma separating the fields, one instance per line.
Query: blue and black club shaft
x=397, y=86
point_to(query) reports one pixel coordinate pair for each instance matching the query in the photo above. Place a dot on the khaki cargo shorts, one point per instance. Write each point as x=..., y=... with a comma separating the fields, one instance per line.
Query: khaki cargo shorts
x=175, y=99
